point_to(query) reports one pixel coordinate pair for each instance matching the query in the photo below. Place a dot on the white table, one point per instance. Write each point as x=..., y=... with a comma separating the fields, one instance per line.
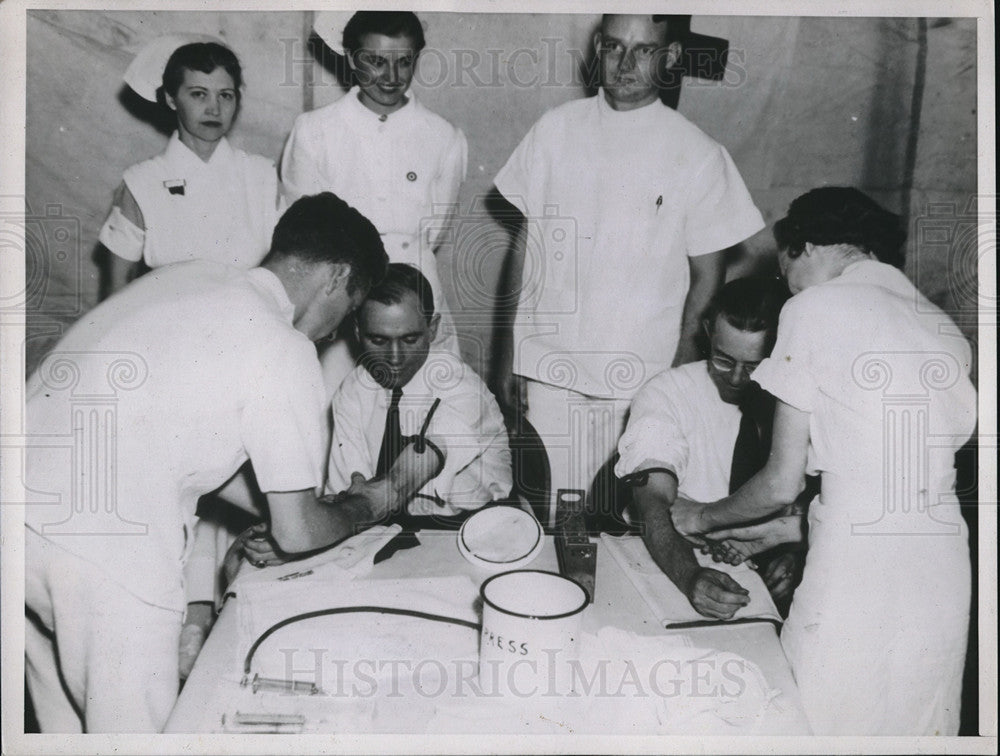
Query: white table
x=200, y=707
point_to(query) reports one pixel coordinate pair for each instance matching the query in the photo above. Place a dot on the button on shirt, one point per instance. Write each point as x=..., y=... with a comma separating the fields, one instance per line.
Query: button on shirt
x=678, y=421
x=402, y=173
x=616, y=202
x=156, y=397
x=477, y=457
x=223, y=210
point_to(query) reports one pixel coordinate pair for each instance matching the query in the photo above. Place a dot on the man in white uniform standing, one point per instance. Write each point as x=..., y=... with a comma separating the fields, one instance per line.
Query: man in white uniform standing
x=151, y=400
x=628, y=210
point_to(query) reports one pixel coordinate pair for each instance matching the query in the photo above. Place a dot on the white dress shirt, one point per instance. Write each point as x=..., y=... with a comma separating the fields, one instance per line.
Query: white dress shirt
x=678, y=421
x=477, y=456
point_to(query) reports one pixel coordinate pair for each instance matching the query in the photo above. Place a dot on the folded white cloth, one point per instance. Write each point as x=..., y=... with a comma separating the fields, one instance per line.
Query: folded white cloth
x=668, y=604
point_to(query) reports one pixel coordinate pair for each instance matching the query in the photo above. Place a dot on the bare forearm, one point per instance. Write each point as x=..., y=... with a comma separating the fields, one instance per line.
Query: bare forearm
x=762, y=496
x=507, y=310
x=669, y=550
x=708, y=272
x=120, y=272
x=766, y=493
x=413, y=469
x=326, y=523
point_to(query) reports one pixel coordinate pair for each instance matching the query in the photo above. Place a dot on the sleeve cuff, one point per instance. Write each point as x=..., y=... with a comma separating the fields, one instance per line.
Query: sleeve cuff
x=790, y=383
x=122, y=236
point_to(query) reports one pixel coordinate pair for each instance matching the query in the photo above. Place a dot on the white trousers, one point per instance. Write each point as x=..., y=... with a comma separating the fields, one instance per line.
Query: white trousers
x=580, y=433
x=97, y=658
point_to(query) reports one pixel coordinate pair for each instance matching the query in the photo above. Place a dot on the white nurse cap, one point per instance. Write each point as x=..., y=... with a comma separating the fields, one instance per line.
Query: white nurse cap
x=145, y=73
x=329, y=27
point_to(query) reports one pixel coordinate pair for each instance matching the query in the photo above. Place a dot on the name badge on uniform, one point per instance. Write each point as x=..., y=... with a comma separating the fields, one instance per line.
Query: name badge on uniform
x=175, y=186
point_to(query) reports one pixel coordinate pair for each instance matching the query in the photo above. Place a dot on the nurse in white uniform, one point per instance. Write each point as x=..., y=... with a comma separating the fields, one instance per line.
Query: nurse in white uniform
x=382, y=151
x=202, y=198
x=873, y=390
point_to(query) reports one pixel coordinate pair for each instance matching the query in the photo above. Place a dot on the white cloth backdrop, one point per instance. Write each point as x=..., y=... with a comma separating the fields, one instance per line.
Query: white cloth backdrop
x=805, y=102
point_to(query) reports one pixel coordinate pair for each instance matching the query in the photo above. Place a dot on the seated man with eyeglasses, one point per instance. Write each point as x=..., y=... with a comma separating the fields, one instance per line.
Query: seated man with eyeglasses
x=700, y=430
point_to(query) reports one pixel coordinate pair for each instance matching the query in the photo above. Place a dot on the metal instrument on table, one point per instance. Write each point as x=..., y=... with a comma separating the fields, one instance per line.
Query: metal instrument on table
x=577, y=555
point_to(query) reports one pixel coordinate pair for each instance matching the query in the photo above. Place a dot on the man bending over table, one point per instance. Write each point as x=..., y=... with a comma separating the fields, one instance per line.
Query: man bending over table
x=201, y=366
x=403, y=395
x=705, y=428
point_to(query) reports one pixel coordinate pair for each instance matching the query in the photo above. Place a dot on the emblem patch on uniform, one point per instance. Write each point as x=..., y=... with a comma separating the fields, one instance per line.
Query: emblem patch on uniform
x=411, y=176
x=175, y=186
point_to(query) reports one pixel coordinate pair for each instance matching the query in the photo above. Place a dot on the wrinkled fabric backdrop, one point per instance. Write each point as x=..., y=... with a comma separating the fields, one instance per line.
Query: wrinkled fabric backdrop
x=887, y=105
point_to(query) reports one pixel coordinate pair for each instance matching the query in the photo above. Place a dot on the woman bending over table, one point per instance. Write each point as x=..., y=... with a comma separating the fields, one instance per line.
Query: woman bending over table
x=873, y=390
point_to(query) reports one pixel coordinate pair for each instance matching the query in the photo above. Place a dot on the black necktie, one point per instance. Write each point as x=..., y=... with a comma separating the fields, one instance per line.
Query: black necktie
x=753, y=441
x=392, y=437
x=392, y=445
x=747, y=453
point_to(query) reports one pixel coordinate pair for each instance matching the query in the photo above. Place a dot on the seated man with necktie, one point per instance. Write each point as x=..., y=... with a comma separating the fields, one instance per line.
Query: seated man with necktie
x=401, y=393
x=701, y=430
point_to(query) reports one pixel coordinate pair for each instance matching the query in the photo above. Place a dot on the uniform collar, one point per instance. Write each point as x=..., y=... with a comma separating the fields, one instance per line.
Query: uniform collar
x=641, y=115
x=268, y=282
x=861, y=268
x=178, y=153
x=422, y=384
x=367, y=118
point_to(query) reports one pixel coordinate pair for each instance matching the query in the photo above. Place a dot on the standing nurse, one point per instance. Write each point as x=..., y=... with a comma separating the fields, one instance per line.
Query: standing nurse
x=202, y=198
x=382, y=151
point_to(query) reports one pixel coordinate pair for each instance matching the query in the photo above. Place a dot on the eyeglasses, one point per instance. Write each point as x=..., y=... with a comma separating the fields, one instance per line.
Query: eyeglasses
x=725, y=364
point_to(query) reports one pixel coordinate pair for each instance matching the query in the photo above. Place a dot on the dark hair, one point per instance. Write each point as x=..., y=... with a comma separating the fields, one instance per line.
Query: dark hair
x=676, y=29
x=389, y=23
x=749, y=304
x=322, y=228
x=204, y=57
x=399, y=280
x=841, y=215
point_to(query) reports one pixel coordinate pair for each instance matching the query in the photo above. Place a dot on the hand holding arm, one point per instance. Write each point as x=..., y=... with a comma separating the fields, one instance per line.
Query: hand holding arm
x=301, y=523
x=743, y=542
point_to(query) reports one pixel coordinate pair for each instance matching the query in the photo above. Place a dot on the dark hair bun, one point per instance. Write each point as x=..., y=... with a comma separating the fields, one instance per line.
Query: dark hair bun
x=841, y=215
